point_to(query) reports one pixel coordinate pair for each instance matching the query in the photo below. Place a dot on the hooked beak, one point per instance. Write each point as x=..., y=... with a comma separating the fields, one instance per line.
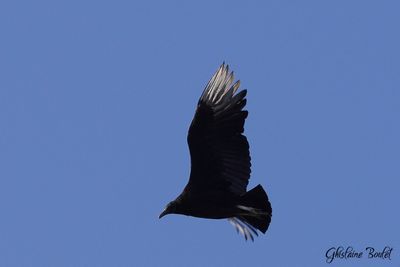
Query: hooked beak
x=165, y=212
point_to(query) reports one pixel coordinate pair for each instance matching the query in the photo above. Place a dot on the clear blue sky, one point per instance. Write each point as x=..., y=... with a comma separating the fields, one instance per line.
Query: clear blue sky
x=96, y=98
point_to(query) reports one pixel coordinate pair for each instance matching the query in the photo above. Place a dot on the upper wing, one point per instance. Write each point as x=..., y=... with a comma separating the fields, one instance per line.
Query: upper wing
x=219, y=152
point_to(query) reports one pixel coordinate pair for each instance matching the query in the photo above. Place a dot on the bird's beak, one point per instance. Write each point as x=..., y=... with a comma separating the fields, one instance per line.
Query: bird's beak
x=165, y=212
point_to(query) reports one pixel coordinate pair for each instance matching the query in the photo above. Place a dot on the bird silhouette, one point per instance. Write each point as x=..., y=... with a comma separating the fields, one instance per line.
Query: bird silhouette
x=220, y=162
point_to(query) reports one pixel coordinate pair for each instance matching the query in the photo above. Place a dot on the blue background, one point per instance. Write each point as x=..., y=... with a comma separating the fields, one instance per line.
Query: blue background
x=96, y=98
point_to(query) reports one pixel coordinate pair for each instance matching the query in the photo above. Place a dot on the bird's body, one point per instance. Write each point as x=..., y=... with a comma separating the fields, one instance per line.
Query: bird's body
x=220, y=162
x=220, y=204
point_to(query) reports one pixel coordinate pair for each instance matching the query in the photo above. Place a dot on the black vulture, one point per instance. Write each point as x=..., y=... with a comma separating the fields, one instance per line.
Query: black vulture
x=220, y=162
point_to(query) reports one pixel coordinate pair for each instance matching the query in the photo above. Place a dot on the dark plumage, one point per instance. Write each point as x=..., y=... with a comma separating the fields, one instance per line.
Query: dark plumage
x=220, y=161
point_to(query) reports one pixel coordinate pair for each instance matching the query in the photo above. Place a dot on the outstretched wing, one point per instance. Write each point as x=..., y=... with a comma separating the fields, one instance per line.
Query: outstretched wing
x=219, y=151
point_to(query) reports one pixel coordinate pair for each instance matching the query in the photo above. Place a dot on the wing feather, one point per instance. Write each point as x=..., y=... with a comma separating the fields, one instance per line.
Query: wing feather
x=219, y=151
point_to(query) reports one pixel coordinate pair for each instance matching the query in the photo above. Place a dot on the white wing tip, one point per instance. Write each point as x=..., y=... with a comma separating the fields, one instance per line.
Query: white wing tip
x=243, y=228
x=219, y=85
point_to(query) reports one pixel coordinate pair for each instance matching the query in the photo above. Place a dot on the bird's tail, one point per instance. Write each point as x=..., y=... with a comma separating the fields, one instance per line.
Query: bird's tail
x=256, y=209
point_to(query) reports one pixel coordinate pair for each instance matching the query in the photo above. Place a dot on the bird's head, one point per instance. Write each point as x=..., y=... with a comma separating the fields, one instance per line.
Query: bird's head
x=172, y=207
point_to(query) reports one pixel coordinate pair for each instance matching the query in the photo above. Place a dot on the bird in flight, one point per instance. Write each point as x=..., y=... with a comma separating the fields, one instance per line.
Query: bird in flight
x=220, y=162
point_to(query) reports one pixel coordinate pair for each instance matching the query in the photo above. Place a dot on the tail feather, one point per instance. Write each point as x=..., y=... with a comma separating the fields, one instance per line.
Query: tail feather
x=257, y=209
